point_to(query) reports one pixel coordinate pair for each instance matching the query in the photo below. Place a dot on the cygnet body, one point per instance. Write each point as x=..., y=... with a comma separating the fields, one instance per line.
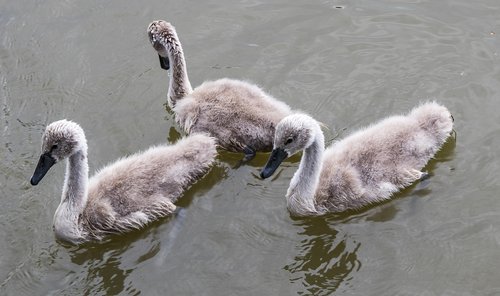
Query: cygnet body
x=240, y=115
x=125, y=195
x=364, y=168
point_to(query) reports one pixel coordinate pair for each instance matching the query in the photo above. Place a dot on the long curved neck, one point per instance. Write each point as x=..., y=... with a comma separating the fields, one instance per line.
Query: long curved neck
x=74, y=197
x=300, y=195
x=179, y=85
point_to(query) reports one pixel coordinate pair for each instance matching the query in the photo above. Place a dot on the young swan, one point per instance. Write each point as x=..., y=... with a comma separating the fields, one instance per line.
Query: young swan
x=125, y=195
x=240, y=115
x=366, y=167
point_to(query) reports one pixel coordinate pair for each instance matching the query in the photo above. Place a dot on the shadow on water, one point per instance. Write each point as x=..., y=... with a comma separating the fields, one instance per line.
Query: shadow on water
x=173, y=135
x=326, y=257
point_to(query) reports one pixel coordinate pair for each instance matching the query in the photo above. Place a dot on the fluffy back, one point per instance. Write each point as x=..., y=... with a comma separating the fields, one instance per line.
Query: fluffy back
x=371, y=164
x=165, y=170
x=236, y=112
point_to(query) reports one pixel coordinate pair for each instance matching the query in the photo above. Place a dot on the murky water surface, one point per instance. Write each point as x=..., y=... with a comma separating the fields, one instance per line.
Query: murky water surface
x=348, y=63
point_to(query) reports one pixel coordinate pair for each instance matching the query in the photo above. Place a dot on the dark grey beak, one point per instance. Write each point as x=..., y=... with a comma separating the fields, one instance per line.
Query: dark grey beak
x=45, y=162
x=276, y=158
x=164, y=63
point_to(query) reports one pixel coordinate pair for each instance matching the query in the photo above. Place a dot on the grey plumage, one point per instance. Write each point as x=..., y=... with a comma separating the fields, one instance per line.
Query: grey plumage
x=239, y=114
x=124, y=195
x=366, y=167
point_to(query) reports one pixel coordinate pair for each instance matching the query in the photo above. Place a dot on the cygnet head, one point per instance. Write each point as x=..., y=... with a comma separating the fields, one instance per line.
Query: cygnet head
x=293, y=133
x=162, y=33
x=60, y=140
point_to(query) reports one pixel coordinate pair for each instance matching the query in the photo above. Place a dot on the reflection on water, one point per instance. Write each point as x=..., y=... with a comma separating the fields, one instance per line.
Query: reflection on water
x=101, y=270
x=103, y=267
x=326, y=257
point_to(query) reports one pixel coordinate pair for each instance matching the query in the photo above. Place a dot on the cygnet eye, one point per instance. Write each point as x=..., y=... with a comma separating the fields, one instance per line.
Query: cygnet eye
x=288, y=141
x=54, y=147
